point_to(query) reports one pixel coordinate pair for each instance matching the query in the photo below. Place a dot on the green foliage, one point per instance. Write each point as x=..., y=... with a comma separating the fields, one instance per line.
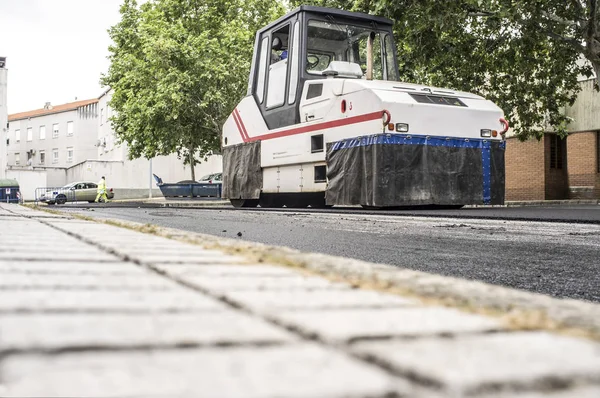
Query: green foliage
x=525, y=55
x=177, y=70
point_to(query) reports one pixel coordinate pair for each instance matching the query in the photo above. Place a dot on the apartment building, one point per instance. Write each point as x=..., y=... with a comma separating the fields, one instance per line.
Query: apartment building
x=54, y=136
x=3, y=116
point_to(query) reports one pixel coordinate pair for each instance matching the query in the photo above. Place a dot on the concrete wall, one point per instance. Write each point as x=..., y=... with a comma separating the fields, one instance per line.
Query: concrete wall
x=82, y=141
x=3, y=120
x=132, y=179
x=32, y=179
x=586, y=109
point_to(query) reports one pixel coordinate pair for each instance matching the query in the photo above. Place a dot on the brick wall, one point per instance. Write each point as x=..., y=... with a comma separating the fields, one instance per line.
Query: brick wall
x=525, y=170
x=584, y=182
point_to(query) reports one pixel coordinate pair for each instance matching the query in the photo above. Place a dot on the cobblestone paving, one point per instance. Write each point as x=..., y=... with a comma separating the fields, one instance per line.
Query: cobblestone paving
x=90, y=309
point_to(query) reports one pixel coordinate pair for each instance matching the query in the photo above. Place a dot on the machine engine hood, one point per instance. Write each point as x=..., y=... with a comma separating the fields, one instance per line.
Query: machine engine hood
x=353, y=85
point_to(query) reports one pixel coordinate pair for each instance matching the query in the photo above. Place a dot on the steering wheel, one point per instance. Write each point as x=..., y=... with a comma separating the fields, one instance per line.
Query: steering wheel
x=312, y=61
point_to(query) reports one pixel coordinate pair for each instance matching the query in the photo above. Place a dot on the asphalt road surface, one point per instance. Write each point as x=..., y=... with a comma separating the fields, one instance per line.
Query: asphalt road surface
x=558, y=259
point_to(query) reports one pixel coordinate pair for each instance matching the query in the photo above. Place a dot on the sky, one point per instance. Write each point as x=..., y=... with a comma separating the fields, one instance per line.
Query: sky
x=56, y=49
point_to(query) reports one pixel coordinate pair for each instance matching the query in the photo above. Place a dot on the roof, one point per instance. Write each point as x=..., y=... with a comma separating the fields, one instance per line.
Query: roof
x=71, y=106
x=334, y=12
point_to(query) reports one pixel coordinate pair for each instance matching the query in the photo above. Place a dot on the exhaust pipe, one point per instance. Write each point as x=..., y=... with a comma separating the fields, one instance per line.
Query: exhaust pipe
x=370, y=56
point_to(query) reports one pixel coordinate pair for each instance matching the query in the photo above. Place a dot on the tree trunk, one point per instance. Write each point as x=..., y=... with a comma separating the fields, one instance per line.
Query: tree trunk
x=192, y=163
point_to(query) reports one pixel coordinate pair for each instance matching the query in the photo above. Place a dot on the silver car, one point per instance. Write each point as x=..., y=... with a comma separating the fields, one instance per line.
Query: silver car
x=74, y=192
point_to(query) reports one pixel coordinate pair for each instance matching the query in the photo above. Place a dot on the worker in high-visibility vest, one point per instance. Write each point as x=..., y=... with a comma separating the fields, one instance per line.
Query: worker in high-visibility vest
x=102, y=191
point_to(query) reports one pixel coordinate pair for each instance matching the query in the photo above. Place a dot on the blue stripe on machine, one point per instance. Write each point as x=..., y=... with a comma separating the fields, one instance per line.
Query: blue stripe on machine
x=403, y=139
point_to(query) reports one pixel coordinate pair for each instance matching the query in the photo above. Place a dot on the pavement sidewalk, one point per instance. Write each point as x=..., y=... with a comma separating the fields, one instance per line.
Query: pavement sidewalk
x=94, y=309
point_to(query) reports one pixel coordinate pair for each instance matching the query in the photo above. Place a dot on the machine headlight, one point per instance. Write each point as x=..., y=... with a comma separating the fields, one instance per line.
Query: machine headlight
x=402, y=127
x=486, y=133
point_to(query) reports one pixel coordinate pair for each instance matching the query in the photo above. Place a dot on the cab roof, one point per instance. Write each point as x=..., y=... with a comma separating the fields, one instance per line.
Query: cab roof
x=334, y=13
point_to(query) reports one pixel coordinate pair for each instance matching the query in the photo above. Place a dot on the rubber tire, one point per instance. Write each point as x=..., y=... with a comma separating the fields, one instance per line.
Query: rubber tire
x=61, y=200
x=238, y=203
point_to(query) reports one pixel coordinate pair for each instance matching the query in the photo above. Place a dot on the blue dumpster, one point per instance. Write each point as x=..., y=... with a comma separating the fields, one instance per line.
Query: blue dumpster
x=187, y=189
x=9, y=191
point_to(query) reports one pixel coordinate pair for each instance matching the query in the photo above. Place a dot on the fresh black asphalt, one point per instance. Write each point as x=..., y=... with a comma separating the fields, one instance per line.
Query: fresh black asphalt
x=558, y=259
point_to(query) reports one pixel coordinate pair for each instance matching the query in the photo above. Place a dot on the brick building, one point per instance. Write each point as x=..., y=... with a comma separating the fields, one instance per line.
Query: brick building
x=555, y=168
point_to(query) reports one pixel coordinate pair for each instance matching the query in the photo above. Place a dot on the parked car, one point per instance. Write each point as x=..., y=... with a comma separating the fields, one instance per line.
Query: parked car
x=215, y=178
x=74, y=192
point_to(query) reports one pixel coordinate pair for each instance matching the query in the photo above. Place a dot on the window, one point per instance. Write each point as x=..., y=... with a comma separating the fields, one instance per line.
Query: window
x=262, y=68
x=391, y=70
x=42, y=132
x=278, y=68
x=55, y=155
x=29, y=134
x=17, y=135
x=69, y=154
x=556, y=152
x=101, y=115
x=69, y=129
x=55, y=131
x=333, y=41
x=314, y=90
x=17, y=159
x=316, y=143
x=320, y=173
x=42, y=157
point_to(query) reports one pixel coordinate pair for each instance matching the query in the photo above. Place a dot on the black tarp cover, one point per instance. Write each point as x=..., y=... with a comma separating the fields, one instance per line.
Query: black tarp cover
x=400, y=170
x=242, y=174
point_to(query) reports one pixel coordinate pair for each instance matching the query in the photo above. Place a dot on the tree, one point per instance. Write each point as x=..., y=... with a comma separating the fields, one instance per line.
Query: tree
x=525, y=55
x=177, y=70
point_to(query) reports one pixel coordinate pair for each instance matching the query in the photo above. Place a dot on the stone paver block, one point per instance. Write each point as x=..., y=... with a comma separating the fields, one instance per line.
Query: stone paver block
x=177, y=259
x=86, y=282
x=469, y=364
x=58, y=331
x=256, y=270
x=347, y=324
x=106, y=301
x=62, y=256
x=269, y=300
x=576, y=392
x=220, y=284
x=44, y=267
x=302, y=370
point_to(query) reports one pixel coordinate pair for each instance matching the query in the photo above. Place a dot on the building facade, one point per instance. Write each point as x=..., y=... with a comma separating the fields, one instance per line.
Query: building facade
x=56, y=145
x=3, y=116
x=53, y=136
x=554, y=168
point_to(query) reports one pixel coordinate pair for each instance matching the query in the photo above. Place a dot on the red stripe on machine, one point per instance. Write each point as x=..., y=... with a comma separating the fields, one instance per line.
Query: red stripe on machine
x=306, y=129
x=241, y=128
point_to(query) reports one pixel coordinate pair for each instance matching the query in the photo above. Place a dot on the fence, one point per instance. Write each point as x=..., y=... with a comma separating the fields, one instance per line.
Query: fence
x=54, y=195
